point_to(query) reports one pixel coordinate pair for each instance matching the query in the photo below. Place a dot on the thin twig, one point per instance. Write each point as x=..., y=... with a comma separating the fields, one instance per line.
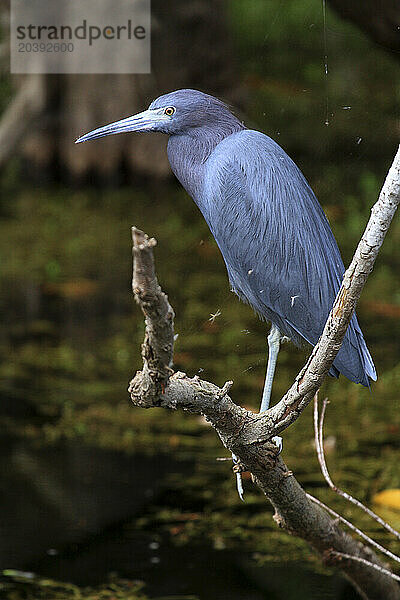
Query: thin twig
x=364, y=562
x=354, y=528
x=318, y=429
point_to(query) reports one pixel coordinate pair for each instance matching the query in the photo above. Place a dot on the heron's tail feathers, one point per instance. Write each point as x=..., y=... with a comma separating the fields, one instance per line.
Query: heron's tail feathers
x=354, y=360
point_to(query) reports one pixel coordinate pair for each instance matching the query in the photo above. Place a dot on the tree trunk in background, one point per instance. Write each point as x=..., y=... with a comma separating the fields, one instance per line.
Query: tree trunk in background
x=190, y=48
x=379, y=19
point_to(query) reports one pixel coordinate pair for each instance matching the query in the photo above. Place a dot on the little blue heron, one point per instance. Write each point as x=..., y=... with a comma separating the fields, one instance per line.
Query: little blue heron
x=279, y=250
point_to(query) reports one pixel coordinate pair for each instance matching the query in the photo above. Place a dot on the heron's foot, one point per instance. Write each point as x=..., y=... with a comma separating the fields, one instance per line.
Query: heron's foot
x=278, y=442
x=276, y=439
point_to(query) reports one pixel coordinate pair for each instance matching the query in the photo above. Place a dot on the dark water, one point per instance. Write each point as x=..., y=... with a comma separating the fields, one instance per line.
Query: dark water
x=69, y=514
x=66, y=494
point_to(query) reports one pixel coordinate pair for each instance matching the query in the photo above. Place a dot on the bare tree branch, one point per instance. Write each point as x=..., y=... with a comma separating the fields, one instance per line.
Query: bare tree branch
x=158, y=345
x=246, y=434
x=319, y=436
x=350, y=525
x=342, y=555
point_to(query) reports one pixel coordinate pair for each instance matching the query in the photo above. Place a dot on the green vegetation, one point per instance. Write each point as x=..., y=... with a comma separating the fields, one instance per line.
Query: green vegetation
x=16, y=585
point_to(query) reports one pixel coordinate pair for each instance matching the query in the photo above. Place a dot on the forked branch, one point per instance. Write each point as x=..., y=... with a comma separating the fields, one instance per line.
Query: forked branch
x=319, y=444
x=248, y=435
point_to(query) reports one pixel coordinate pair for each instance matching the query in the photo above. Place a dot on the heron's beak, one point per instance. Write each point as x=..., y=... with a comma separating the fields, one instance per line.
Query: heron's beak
x=143, y=121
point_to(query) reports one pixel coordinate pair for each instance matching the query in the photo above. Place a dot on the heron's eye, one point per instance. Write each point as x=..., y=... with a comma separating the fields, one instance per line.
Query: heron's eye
x=169, y=111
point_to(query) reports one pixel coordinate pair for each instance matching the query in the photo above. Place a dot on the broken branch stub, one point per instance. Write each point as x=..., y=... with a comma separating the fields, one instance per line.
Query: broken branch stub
x=158, y=345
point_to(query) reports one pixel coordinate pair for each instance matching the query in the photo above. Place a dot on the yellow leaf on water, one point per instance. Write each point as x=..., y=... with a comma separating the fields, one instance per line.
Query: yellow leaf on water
x=388, y=498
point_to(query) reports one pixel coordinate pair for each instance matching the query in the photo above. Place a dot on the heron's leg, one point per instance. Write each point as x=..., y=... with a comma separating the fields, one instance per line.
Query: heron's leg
x=274, y=342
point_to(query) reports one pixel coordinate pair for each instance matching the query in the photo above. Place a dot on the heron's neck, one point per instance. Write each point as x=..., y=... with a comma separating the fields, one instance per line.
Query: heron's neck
x=188, y=153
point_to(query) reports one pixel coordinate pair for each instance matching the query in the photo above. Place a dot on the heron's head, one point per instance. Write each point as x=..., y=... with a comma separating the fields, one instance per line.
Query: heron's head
x=173, y=113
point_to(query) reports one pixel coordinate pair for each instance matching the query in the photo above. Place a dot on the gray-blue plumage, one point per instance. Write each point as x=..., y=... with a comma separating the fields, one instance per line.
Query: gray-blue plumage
x=279, y=250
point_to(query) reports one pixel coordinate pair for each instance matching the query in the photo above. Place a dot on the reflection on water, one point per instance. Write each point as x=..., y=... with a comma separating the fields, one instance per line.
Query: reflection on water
x=70, y=516
x=64, y=494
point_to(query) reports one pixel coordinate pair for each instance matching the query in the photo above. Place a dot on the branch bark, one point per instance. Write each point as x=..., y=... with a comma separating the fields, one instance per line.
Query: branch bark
x=248, y=435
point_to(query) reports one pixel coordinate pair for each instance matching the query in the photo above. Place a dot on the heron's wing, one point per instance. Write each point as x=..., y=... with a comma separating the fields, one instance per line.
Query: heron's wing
x=274, y=237
x=281, y=255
